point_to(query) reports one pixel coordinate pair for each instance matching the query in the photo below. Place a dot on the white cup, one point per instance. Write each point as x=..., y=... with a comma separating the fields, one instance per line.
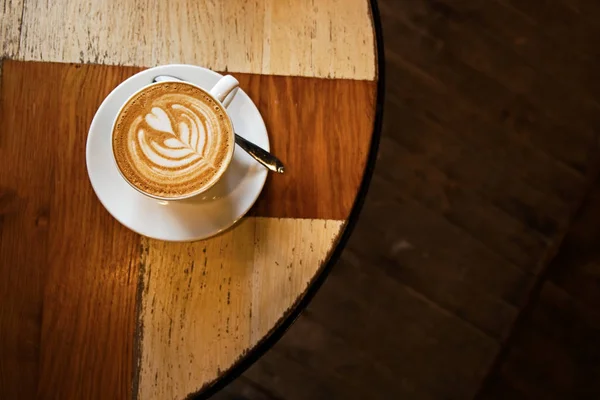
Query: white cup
x=223, y=93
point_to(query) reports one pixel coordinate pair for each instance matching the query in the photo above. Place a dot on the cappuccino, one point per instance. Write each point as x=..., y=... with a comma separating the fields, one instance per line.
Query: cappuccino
x=172, y=140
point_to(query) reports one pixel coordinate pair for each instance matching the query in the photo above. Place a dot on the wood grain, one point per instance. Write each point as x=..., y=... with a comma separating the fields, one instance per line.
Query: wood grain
x=205, y=304
x=69, y=320
x=346, y=345
x=25, y=202
x=553, y=351
x=11, y=14
x=303, y=38
x=321, y=129
x=70, y=270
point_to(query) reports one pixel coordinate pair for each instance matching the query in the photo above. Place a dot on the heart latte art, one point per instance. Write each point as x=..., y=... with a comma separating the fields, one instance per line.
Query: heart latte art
x=172, y=139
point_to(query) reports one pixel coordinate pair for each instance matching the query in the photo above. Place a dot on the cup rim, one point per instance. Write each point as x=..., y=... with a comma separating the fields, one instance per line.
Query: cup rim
x=215, y=179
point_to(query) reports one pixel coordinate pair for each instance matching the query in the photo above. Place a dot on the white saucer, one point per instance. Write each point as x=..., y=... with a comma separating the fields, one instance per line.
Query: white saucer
x=182, y=220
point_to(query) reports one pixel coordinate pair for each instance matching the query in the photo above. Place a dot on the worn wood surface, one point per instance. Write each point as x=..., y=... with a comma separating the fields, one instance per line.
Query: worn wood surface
x=11, y=14
x=205, y=304
x=71, y=304
x=490, y=146
x=331, y=38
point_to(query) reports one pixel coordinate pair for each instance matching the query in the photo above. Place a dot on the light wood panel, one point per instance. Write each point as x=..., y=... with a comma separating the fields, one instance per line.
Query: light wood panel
x=205, y=304
x=279, y=37
x=11, y=13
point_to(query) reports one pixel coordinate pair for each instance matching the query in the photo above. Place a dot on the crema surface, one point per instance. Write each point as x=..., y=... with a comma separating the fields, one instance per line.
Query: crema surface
x=172, y=140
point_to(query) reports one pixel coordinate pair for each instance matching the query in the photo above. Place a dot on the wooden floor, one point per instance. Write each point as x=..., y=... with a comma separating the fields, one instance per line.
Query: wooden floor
x=474, y=271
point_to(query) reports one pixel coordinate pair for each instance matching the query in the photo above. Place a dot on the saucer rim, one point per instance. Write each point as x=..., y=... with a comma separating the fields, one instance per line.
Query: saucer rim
x=108, y=99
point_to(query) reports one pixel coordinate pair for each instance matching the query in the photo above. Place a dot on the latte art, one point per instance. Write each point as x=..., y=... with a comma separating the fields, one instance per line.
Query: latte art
x=173, y=152
x=172, y=139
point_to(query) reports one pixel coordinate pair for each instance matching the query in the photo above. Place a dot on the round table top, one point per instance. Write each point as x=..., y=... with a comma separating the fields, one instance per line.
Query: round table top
x=91, y=309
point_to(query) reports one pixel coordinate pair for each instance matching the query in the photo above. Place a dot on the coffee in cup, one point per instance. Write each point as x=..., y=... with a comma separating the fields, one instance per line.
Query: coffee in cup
x=173, y=140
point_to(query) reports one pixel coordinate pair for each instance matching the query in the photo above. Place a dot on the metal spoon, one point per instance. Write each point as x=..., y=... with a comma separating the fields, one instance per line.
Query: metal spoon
x=258, y=153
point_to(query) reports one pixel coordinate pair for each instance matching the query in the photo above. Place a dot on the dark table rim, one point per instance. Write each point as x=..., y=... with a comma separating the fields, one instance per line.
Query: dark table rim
x=252, y=355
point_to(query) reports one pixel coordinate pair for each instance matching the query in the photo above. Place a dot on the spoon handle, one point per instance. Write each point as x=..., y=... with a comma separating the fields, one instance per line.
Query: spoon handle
x=259, y=154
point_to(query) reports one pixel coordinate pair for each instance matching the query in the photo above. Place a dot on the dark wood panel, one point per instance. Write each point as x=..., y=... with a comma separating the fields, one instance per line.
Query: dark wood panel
x=576, y=268
x=89, y=301
x=69, y=269
x=321, y=129
x=554, y=352
x=244, y=389
x=402, y=335
x=440, y=261
x=322, y=175
x=25, y=200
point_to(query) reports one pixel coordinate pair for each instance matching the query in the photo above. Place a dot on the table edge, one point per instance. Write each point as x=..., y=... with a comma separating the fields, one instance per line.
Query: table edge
x=284, y=323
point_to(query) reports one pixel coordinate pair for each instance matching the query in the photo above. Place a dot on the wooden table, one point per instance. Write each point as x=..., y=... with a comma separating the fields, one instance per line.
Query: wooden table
x=89, y=309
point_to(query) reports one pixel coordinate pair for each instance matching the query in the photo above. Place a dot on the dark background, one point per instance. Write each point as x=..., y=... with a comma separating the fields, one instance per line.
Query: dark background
x=473, y=270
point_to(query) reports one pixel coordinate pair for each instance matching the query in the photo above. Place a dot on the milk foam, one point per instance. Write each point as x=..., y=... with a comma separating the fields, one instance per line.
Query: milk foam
x=172, y=140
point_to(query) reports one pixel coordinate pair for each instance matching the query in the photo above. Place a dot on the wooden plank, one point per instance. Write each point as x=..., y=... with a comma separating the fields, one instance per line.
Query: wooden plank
x=402, y=333
x=475, y=199
x=500, y=389
x=11, y=14
x=576, y=268
x=331, y=39
x=244, y=389
x=322, y=174
x=439, y=260
x=553, y=351
x=494, y=141
x=569, y=27
x=327, y=358
x=299, y=131
x=543, y=53
x=68, y=302
x=93, y=260
x=291, y=380
x=472, y=55
x=205, y=304
x=25, y=199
